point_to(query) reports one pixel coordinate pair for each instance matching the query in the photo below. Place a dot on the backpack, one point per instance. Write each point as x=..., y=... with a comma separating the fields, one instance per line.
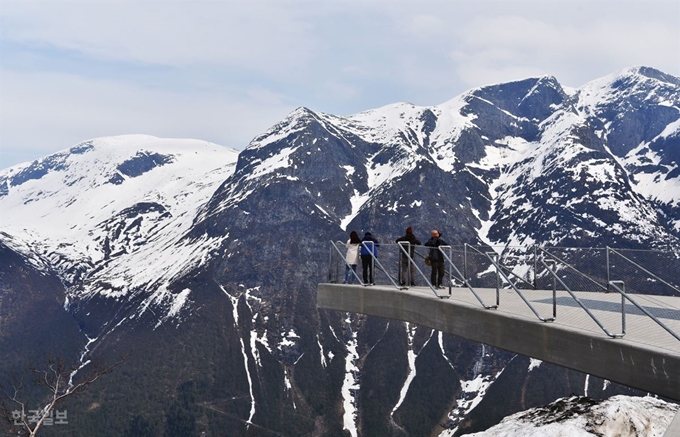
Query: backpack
x=371, y=245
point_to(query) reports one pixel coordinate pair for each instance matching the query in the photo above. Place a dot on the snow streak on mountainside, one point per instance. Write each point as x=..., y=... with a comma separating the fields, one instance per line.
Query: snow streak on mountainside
x=234, y=245
x=110, y=214
x=366, y=154
x=539, y=164
x=639, y=120
x=510, y=164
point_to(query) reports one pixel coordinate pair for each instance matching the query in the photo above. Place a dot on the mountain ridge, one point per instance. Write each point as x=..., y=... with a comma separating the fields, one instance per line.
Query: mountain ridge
x=217, y=253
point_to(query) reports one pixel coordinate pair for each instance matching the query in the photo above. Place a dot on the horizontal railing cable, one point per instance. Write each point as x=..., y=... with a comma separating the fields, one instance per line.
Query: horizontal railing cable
x=577, y=271
x=673, y=287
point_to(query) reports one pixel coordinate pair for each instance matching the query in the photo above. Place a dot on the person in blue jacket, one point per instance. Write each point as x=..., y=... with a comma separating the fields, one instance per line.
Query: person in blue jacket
x=369, y=245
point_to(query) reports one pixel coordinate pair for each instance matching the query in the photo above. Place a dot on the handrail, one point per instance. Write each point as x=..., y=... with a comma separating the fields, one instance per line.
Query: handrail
x=502, y=266
x=412, y=262
x=374, y=260
x=613, y=285
x=531, y=307
x=627, y=296
x=642, y=268
x=345, y=260
x=572, y=267
x=544, y=259
x=578, y=301
x=467, y=284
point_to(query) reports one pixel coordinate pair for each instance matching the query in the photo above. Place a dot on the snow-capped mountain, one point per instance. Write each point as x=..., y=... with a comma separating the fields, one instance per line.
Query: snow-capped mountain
x=207, y=260
x=110, y=215
x=533, y=159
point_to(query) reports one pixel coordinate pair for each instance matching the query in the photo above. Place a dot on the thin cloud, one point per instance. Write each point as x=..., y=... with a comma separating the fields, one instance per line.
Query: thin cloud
x=245, y=34
x=494, y=48
x=64, y=110
x=224, y=71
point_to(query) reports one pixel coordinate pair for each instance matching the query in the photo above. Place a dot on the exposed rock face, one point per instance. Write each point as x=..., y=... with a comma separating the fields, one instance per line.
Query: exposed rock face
x=205, y=263
x=619, y=416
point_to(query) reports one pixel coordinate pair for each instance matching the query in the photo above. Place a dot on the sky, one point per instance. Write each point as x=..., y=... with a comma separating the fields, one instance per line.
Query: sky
x=224, y=71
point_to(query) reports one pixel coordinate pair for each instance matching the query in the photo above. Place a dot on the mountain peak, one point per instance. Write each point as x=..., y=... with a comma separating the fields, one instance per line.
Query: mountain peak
x=294, y=122
x=649, y=73
x=300, y=111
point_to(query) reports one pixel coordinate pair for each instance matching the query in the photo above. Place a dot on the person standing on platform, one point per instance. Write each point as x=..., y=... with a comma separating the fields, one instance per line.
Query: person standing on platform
x=408, y=271
x=352, y=257
x=436, y=258
x=368, y=250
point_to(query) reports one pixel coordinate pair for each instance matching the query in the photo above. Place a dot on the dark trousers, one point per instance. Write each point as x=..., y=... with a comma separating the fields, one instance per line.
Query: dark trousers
x=367, y=267
x=437, y=270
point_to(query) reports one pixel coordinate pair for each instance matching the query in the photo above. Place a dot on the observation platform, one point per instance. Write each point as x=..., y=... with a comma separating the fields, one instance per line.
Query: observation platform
x=647, y=357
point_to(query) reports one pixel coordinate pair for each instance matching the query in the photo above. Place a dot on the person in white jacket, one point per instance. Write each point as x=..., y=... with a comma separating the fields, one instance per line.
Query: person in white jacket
x=352, y=257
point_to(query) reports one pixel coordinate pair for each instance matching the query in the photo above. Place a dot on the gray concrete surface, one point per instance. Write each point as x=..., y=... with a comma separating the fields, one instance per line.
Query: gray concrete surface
x=647, y=358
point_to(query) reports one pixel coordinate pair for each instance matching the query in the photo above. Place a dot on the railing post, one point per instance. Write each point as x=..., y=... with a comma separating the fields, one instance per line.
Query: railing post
x=399, y=273
x=608, y=278
x=373, y=264
x=494, y=256
x=552, y=264
x=406, y=278
x=535, y=268
x=330, y=263
x=465, y=276
x=623, y=309
x=622, y=286
x=409, y=278
x=450, y=270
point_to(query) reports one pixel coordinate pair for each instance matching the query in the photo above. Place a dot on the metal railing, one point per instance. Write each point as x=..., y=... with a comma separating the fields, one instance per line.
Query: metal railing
x=617, y=286
x=595, y=270
x=493, y=258
x=550, y=266
x=390, y=254
x=624, y=296
x=466, y=282
x=405, y=253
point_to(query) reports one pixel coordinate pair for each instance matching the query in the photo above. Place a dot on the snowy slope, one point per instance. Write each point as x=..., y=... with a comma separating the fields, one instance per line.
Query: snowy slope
x=618, y=416
x=110, y=214
x=519, y=163
x=646, y=142
x=123, y=221
x=554, y=161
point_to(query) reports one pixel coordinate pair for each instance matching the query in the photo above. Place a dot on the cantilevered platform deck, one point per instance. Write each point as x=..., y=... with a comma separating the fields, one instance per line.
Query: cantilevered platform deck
x=646, y=358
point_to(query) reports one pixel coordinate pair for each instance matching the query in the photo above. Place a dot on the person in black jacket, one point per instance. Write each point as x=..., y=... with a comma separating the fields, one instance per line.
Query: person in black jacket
x=436, y=258
x=406, y=264
x=368, y=245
